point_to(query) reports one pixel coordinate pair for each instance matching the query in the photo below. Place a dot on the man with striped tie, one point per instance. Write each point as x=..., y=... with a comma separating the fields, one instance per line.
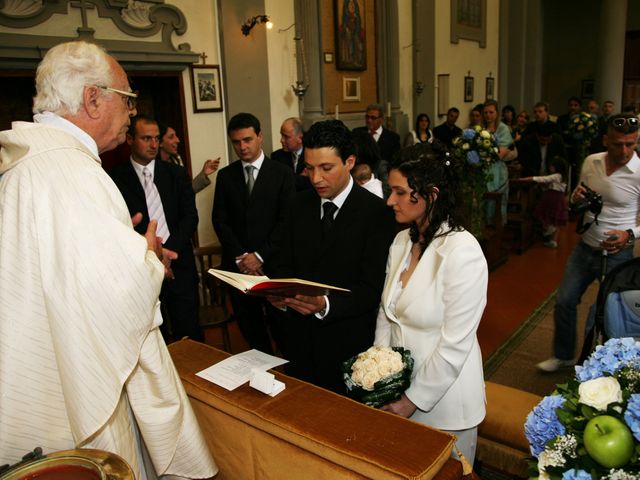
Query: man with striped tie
x=162, y=191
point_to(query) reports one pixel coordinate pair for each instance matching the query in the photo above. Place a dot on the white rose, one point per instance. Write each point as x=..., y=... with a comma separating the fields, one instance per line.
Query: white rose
x=600, y=392
x=485, y=134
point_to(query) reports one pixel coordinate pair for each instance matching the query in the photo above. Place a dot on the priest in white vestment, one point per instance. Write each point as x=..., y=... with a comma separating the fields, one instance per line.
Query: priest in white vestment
x=82, y=361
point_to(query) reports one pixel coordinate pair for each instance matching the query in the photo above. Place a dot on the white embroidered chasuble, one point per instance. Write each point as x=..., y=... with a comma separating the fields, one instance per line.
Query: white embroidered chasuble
x=80, y=348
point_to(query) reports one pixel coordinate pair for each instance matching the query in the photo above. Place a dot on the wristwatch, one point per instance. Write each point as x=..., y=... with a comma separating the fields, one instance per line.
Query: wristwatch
x=630, y=239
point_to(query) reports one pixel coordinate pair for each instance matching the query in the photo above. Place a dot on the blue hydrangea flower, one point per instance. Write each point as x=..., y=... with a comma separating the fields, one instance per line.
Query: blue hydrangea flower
x=542, y=423
x=574, y=474
x=473, y=158
x=614, y=355
x=632, y=415
x=468, y=133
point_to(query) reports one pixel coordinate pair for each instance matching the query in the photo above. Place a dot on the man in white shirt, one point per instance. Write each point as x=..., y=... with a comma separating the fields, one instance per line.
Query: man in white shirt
x=82, y=362
x=607, y=240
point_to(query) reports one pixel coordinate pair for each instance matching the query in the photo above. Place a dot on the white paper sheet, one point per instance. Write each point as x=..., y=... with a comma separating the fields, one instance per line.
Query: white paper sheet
x=237, y=369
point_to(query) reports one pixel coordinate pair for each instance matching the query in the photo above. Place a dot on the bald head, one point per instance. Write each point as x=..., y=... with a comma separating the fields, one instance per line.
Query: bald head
x=291, y=134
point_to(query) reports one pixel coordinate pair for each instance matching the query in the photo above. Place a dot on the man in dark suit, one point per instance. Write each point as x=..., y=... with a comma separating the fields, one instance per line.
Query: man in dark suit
x=141, y=180
x=448, y=130
x=248, y=208
x=538, y=149
x=388, y=141
x=338, y=234
x=292, y=153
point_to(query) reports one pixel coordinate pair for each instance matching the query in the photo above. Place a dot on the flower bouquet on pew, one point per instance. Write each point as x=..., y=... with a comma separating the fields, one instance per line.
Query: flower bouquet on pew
x=590, y=426
x=476, y=149
x=379, y=375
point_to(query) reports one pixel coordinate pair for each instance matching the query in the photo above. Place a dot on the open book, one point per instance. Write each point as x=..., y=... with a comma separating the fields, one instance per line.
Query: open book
x=283, y=287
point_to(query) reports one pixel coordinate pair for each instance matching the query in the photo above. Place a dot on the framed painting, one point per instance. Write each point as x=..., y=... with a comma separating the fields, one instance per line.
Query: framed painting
x=468, y=89
x=350, y=89
x=350, y=35
x=206, y=89
x=469, y=21
x=588, y=88
x=489, y=88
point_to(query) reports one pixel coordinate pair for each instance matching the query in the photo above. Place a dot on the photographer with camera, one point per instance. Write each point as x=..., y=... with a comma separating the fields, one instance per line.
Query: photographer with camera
x=610, y=184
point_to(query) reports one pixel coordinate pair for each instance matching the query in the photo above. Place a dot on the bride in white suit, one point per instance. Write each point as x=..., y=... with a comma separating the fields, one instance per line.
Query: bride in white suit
x=434, y=295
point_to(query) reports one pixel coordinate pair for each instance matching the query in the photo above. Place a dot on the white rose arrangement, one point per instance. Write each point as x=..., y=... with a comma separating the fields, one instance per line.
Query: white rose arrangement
x=374, y=365
x=600, y=392
x=379, y=375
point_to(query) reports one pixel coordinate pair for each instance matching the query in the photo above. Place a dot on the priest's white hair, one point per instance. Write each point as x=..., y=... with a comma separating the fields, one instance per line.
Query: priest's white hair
x=63, y=74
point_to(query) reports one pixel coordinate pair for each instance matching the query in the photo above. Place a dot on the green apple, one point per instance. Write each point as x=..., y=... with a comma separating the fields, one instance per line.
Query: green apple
x=608, y=441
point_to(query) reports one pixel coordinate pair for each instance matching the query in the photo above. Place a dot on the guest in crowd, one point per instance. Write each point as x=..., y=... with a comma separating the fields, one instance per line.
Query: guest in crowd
x=448, y=130
x=248, y=208
x=364, y=177
x=475, y=115
x=427, y=305
x=337, y=234
x=614, y=174
x=367, y=151
x=535, y=149
x=421, y=133
x=168, y=151
x=292, y=152
x=498, y=170
x=552, y=209
x=593, y=108
x=520, y=126
x=574, y=107
x=509, y=116
x=82, y=359
x=541, y=117
x=161, y=191
x=388, y=141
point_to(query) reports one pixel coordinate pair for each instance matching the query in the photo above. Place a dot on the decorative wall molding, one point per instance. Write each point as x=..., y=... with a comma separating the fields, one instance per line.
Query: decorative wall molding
x=135, y=18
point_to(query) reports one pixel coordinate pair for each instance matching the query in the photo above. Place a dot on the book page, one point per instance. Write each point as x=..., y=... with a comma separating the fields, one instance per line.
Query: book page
x=237, y=369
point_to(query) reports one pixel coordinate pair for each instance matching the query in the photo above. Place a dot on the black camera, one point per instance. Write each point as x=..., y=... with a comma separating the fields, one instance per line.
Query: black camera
x=592, y=202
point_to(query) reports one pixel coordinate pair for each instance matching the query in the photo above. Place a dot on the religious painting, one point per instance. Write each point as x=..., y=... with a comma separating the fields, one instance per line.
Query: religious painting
x=350, y=89
x=468, y=89
x=469, y=21
x=206, y=88
x=489, y=87
x=351, y=38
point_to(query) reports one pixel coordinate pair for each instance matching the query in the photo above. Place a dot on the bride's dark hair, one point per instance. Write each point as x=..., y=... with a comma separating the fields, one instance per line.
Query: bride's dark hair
x=429, y=166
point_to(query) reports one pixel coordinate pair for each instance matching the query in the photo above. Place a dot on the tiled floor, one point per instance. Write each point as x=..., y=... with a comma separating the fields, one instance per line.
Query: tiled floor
x=515, y=290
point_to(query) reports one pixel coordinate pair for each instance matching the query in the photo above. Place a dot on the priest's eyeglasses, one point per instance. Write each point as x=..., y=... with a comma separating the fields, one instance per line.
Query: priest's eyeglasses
x=131, y=97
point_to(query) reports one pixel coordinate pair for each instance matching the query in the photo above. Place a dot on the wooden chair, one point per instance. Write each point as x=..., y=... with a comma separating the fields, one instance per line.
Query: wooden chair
x=215, y=310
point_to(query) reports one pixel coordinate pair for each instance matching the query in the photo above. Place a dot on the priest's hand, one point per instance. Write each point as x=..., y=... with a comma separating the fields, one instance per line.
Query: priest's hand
x=403, y=407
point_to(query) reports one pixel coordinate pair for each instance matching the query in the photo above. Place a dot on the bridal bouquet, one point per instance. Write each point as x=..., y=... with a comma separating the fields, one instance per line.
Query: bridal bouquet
x=379, y=375
x=590, y=427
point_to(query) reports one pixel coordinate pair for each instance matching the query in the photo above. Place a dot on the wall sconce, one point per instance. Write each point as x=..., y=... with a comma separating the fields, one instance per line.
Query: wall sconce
x=252, y=22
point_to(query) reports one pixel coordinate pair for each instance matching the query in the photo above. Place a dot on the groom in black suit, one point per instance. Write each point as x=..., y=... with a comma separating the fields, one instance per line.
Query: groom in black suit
x=337, y=233
x=388, y=141
x=180, y=294
x=248, y=208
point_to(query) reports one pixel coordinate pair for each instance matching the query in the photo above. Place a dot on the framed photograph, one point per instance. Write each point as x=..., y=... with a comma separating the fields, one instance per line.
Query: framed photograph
x=489, y=88
x=206, y=89
x=468, y=89
x=351, y=34
x=469, y=21
x=588, y=86
x=328, y=57
x=443, y=94
x=351, y=89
